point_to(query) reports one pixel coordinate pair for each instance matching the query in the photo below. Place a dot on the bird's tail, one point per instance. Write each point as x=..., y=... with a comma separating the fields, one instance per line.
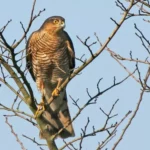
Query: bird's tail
x=65, y=119
x=60, y=114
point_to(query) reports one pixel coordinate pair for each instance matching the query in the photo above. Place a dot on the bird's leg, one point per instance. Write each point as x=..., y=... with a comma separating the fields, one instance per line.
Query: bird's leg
x=40, y=107
x=56, y=90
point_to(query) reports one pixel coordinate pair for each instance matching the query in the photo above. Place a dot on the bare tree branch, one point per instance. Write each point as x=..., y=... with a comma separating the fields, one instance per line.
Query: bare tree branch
x=135, y=112
x=16, y=136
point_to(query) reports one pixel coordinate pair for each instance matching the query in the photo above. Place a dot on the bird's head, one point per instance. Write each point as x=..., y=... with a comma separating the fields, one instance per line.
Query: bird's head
x=54, y=24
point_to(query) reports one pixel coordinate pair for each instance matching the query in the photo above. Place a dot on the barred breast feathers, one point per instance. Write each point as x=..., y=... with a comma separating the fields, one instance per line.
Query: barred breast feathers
x=49, y=52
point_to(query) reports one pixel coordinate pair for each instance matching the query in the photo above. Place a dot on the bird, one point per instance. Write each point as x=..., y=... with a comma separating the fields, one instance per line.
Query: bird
x=50, y=58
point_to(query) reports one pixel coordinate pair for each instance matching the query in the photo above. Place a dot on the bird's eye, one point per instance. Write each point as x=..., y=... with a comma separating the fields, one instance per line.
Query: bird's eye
x=55, y=21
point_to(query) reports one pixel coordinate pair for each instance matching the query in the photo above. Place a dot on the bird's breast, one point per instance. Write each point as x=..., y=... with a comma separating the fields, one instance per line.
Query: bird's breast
x=50, y=58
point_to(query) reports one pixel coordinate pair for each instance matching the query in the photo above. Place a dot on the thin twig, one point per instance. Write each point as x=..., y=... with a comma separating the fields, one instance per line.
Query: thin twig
x=16, y=136
x=135, y=112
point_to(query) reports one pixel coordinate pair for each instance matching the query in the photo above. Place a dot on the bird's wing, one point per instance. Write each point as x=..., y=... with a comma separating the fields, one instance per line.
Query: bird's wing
x=29, y=49
x=63, y=113
x=71, y=51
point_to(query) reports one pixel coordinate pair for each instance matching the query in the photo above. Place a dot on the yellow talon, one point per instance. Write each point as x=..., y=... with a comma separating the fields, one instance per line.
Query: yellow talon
x=55, y=92
x=40, y=109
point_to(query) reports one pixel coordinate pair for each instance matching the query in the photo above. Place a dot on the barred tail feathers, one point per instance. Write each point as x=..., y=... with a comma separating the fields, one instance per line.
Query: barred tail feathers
x=60, y=108
x=64, y=116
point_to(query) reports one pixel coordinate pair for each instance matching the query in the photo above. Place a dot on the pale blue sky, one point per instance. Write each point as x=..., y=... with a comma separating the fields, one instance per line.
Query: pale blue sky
x=83, y=18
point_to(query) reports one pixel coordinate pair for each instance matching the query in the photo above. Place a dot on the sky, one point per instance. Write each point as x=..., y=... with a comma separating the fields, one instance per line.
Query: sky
x=83, y=19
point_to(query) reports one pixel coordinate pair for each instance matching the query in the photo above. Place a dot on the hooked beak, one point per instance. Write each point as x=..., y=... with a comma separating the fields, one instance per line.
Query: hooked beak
x=63, y=25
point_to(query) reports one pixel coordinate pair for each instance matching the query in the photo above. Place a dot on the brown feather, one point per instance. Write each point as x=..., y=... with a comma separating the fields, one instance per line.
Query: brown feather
x=50, y=56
